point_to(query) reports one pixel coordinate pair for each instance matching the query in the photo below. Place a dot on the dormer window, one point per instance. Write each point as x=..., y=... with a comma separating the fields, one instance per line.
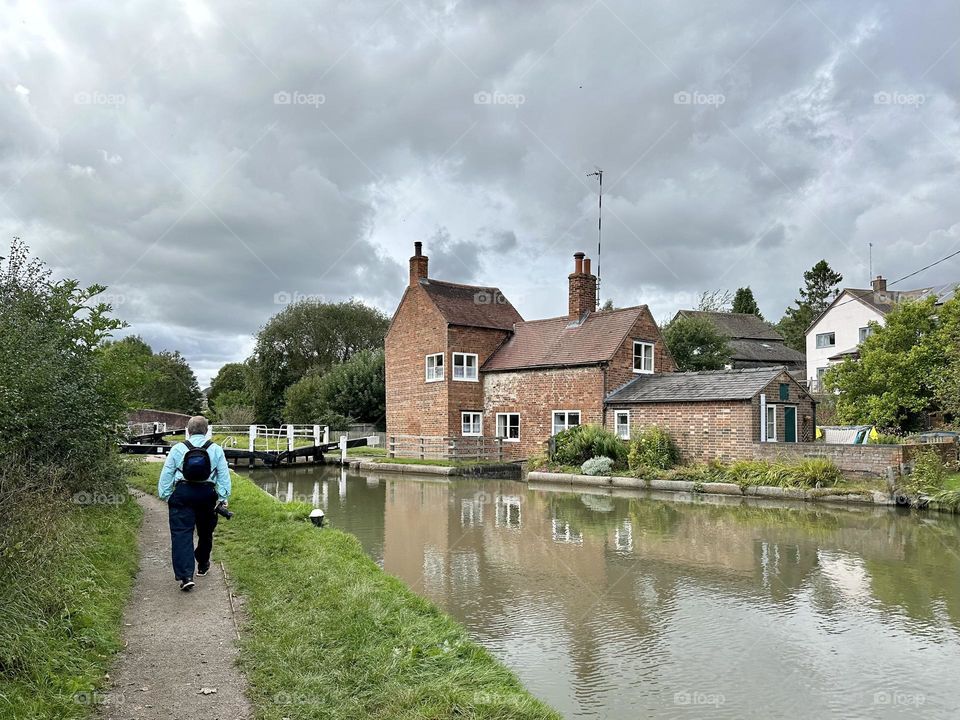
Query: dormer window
x=642, y=357
x=465, y=367
x=435, y=367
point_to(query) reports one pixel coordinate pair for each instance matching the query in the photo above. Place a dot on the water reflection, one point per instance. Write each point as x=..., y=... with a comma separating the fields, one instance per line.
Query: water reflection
x=626, y=605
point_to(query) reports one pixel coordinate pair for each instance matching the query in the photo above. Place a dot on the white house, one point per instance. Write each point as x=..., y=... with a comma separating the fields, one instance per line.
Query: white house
x=840, y=329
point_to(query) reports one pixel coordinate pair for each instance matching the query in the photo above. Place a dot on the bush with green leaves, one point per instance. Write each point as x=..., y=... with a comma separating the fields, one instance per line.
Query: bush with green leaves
x=597, y=466
x=929, y=476
x=578, y=444
x=654, y=448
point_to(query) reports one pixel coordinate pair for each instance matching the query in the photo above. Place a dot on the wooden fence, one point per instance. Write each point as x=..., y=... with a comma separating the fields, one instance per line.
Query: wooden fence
x=424, y=447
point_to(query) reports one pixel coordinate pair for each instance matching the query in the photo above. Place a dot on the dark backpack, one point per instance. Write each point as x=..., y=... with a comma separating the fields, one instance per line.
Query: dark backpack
x=196, y=465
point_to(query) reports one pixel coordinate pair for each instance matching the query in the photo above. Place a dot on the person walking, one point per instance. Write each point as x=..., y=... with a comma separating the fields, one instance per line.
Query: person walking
x=195, y=477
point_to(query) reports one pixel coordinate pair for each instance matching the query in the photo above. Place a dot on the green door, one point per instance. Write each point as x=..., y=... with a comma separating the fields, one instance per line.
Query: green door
x=789, y=424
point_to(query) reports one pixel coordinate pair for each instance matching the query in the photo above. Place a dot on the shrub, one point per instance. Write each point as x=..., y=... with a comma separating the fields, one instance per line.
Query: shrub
x=597, y=466
x=653, y=449
x=929, y=474
x=816, y=472
x=810, y=473
x=578, y=444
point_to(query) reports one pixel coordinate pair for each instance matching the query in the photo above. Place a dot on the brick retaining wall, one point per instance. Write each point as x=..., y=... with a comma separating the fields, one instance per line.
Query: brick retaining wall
x=172, y=419
x=872, y=460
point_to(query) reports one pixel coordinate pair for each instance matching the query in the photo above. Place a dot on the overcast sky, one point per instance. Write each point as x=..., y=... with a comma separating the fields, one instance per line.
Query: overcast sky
x=210, y=160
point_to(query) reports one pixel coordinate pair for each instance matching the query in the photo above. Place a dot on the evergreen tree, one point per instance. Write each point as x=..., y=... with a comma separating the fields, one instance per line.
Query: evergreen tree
x=744, y=302
x=821, y=287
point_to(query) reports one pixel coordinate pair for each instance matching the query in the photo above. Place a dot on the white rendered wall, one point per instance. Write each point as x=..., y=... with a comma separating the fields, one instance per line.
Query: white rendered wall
x=845, y=319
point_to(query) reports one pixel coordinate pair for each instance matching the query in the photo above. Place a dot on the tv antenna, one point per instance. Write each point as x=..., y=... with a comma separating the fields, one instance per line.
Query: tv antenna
x=599, y=175
x=871, y=263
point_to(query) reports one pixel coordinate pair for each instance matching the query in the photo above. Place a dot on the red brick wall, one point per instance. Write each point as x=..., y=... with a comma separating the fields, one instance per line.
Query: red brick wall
x=535, y=394
x=798, y=397
x=620, y=370
x=469, y=395
x=414, y=406
x=702, y=431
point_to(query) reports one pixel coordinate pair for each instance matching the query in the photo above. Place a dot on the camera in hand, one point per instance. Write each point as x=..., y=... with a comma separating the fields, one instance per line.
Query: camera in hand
x=221, y=509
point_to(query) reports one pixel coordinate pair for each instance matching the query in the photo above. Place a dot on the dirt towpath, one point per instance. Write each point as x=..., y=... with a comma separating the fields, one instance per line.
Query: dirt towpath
x=179, y=646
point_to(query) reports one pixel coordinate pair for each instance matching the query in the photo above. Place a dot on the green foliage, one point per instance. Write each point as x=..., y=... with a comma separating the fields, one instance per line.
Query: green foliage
x=597, y=466
x=354, y=391
x=808, y=473
x=173, y=385
x=929, y=476
x=821, y=287
x=229, y=388
x=162, y=381
x=894, y=382
x=885, y=439
x=304, y=337
x=695, y=344
x=654, y=448
x=744, y=302
x=375, y=648
x=578, y=444
x=56, y=403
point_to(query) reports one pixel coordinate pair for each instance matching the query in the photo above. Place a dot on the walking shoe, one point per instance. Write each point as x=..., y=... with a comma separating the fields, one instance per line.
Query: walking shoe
x=187, y=585
x=201, y=571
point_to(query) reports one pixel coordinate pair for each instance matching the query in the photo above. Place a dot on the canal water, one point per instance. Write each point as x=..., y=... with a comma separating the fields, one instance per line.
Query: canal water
x=635, y=605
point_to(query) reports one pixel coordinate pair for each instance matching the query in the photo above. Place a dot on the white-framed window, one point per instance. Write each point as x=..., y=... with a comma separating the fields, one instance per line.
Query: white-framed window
x=621, y=420
x=465, y=366
x=434, y=367
x=821, y=371
x=826, y=340
x=771, y=423
x=471, y=424
x=508, y=426
x=642, y=357
x=865, y=332
x=565, y=419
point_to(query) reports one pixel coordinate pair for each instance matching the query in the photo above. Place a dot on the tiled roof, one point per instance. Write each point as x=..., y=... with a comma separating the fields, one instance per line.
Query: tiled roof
x=883, y=301
x=736, y=325
x=765, y=351
x=562, y=342
x=472, y=305
x=710, y=385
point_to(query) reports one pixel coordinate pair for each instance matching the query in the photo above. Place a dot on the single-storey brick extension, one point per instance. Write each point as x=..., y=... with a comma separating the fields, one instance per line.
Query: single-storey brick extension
x=462, y=363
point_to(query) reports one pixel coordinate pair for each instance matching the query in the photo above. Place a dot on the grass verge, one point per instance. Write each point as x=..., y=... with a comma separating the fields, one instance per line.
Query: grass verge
x=60, y=619
x=329, y=634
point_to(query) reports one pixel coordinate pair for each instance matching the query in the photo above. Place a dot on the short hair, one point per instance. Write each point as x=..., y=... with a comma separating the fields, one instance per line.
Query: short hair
x=197, y=425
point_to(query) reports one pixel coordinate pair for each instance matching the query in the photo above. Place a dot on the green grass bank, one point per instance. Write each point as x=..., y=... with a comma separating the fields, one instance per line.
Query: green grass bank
x=63, y=587
x=330, y=635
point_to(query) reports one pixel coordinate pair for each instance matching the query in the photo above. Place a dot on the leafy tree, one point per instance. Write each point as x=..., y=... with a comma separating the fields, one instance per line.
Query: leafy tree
x=57, y=407
x=696, y=344
x=821, y=287
x=126, y=366
x=229, y=386
x=715, y=301
x=354, y=391
x=304, y=337
x=744, y=302
x=607, y=305
x=896, y=378
x=172, y=384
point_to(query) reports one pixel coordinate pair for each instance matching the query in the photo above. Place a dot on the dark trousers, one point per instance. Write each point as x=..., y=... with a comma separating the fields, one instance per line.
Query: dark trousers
x=191, y=506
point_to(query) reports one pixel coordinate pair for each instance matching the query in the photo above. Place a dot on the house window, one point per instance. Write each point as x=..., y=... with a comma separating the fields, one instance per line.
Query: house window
x=622, y=423
x=865, y=332
x=771, y=423
x=471, y=424
x=565, y=419
x=784, y=391
x=435, y=367
x=642, y=357
x=821, y=371
x=508, y=426
x=465, y=366
x=826, y=340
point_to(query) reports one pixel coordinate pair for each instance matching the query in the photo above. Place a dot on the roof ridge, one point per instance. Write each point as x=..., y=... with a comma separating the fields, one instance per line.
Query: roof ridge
x=431, y=281
x=594, y=313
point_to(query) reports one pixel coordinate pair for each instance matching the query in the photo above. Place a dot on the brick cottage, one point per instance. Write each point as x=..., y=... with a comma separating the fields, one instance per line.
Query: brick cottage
x=462, y=363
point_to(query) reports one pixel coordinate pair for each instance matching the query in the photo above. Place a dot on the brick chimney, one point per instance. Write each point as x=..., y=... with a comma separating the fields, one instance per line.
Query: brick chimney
x=418, y=264
x=879, y=284
x=583, y=288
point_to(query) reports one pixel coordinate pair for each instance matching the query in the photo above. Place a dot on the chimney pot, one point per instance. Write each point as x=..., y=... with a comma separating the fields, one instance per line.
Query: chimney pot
x=879, y=284
x=578, y=263
x=582, y=293
x=418, y=264
x=586, y=266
